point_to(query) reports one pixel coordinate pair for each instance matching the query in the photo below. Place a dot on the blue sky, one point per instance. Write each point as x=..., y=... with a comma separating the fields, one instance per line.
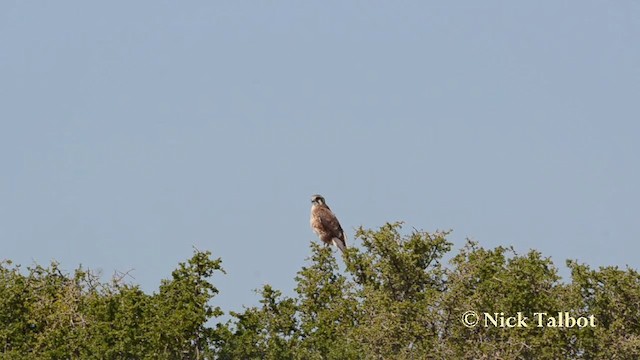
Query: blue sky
x=131, y=132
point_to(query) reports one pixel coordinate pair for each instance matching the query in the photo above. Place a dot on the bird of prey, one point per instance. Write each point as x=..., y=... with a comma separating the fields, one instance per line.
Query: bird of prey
x=325, y=224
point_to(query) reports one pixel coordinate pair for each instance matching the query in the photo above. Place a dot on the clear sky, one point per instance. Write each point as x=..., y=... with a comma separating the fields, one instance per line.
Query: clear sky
x=131, y=131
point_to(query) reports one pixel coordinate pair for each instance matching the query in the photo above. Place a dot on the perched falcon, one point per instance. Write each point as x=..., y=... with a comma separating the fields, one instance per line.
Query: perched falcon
x=325, y=224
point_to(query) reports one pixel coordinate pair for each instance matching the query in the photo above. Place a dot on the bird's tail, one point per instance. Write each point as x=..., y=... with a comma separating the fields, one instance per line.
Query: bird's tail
x=340, y=244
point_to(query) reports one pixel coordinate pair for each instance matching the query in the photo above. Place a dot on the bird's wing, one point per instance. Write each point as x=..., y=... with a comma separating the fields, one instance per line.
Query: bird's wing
x=330, y=223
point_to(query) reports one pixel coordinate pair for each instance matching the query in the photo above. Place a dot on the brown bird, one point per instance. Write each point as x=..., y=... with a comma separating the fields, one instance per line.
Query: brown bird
x=325, y=224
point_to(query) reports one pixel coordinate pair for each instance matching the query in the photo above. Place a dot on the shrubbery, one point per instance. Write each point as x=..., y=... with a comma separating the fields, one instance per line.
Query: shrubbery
x=393, y=298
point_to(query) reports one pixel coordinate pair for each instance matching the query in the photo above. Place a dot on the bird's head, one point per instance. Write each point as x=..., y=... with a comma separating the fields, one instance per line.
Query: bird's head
x=317, y=200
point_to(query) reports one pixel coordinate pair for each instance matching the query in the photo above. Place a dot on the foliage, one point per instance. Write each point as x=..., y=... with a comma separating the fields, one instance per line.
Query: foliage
x=46, y=314
x=394, y=296
x=394, y=299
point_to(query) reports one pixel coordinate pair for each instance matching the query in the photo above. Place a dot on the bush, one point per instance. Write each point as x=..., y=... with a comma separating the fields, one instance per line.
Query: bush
x=393, y=297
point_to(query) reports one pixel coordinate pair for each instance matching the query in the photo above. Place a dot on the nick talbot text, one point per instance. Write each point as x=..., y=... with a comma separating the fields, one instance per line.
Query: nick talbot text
x=561, y=319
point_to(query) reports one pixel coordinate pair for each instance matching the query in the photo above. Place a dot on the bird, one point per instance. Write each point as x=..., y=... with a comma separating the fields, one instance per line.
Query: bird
x=325, y=223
